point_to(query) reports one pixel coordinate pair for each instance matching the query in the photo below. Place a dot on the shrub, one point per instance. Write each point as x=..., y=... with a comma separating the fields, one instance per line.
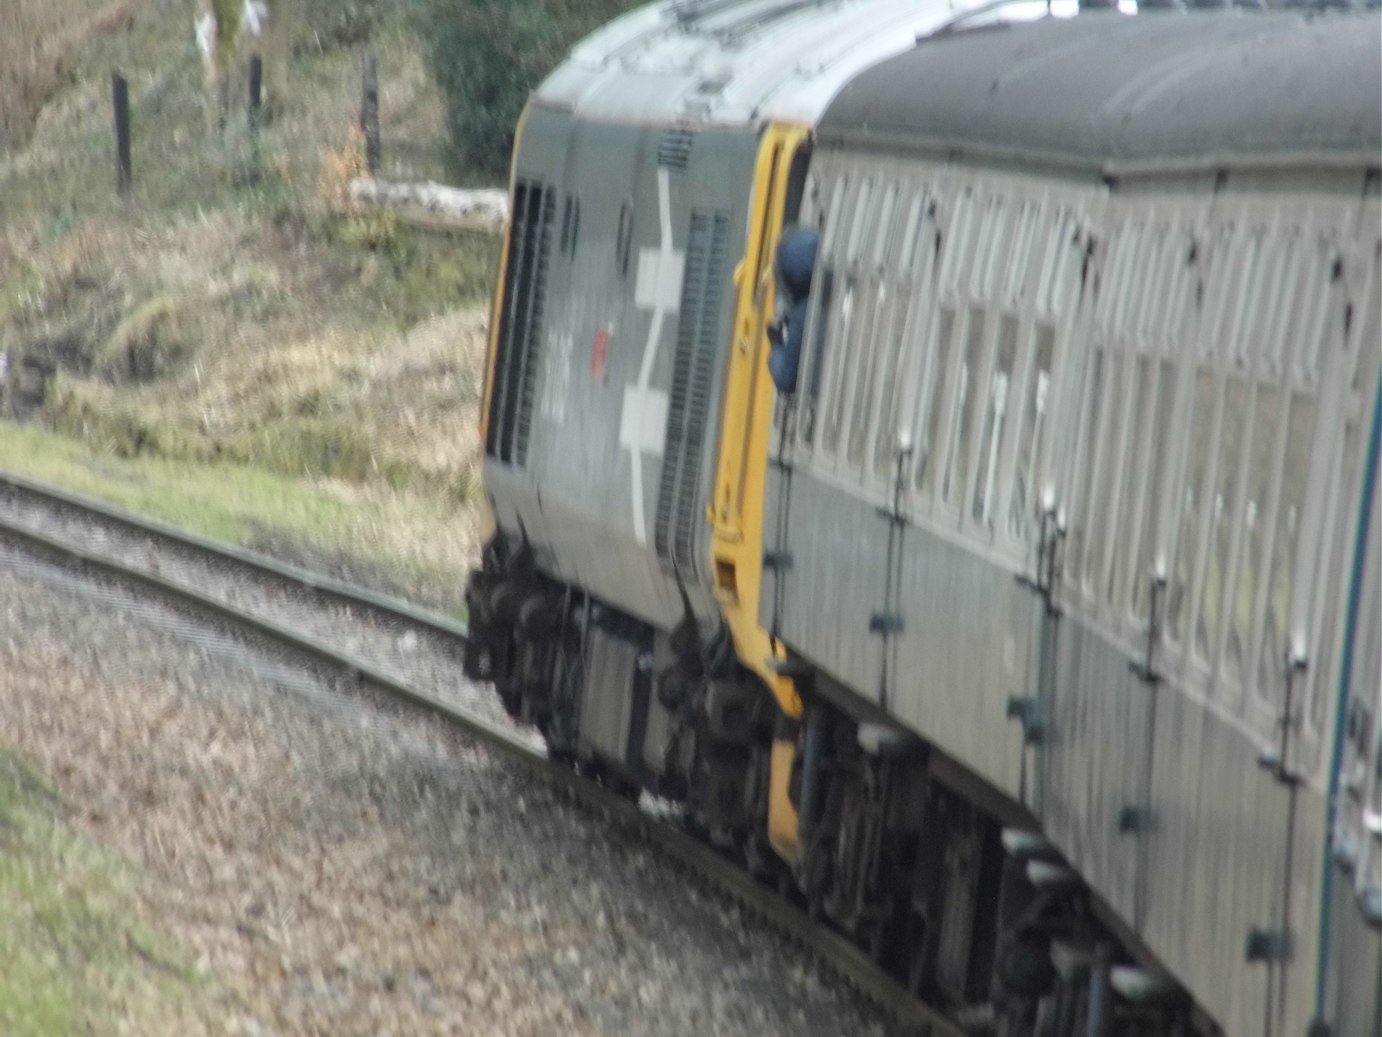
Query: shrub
x=488, y=55
x=314, y=25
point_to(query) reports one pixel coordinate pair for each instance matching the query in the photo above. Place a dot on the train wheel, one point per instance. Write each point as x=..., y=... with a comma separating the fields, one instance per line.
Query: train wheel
x=760, y=859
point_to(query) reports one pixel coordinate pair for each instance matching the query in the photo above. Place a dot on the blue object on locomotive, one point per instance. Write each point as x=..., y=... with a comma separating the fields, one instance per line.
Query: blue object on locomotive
x=786, y=354
x=796, y=257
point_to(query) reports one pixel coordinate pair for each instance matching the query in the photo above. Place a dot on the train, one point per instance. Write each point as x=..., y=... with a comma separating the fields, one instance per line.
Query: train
x=936, y=446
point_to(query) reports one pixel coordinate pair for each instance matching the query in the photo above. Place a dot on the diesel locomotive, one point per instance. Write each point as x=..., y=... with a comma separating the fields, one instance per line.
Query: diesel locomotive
x=938, y=449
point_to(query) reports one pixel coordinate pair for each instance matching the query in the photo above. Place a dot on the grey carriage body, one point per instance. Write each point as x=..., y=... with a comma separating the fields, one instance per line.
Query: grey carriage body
x=1113, y=284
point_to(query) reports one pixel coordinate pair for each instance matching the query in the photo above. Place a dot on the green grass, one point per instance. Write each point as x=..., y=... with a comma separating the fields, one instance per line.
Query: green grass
x=226, y=502
x=246, y=505
x=73, y=954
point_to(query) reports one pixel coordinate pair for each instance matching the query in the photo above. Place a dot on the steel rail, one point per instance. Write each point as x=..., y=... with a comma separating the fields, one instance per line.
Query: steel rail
x=830, y=946
x=285, y=571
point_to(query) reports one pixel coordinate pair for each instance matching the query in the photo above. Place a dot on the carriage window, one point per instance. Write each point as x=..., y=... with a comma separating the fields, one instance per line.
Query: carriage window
x=1149, y=280
x=907, y=261
x=843, y=323
x=1022, y=509
x=1237, y=280
x=1243, y=603
x=1277, y=314
x=1152, y=285
x=959, y=239
x=908, y=313
x=819, y=319
x=1053, y=247
x=870, y=341
x=845, y=340
x=994, y=422
x=923, y=255
x=1250, y=290
x=1068, y=251
x=1135, y=268
x=1222, y=512
x=1132, y=472
x=976, y=250
x=1173, y=304
x=1221, y=281
x=1168, y=307
x=941, y=351
x=871, y=334
x=1109, y=274
x=890, y=376
x=898, y=378
x=817, y=330
x=1111, y=277
x=1262, y=326
x=859, y=221
x=1295, y=478
x=886, y=232
x=1338, y=545
x=1369, y=332
x=1190, y=505
x=1094, y=401
x=1019, y=262
x=962, y=422
x=1110, y=446
x=830, y=231
x=995, y=248
x=1158, y=436
x=1307, y=330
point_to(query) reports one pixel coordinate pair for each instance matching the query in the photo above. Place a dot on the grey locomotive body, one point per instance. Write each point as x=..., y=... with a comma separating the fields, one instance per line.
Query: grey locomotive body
x=613, y=322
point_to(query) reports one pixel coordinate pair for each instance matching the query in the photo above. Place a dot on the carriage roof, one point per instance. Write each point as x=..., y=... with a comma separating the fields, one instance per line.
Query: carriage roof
x=1159, y=88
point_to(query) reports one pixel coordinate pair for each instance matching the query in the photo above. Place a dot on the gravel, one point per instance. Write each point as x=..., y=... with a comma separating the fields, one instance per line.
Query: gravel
x=421, y=657
x=330, y=867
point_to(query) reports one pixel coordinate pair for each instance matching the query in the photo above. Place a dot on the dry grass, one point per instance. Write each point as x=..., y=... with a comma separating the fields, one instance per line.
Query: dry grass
x=397, y=408
x=230, y=343
x=303, y=901
x=39, y=44
x=413, y=543
x=257, y=340
x=76, y=954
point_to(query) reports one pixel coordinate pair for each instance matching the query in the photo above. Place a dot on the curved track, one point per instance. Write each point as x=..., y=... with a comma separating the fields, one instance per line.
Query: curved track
x=834, y=949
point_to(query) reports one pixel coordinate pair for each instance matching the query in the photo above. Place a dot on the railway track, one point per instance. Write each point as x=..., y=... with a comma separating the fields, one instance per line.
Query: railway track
x=201, y=574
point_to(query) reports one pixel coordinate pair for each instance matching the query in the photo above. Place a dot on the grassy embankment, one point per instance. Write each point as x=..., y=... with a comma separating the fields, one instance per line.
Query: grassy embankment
x=75, y=956
x=248, y=359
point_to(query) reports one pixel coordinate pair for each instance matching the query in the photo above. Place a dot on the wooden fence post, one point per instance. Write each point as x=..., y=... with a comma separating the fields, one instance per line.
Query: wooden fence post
x=369, y=110
x=120, y=94
x=255, y=113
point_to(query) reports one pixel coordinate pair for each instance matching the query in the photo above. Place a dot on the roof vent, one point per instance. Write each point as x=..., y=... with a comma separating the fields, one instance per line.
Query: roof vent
x=674, y=149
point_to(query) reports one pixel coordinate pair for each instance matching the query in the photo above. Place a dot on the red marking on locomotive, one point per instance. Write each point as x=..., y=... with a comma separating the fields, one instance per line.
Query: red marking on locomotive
x=599, y=354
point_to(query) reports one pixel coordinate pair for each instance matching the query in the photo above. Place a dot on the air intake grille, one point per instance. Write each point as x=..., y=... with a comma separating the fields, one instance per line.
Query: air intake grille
x=520, y=324
x=702, y=294
x=674, y=149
